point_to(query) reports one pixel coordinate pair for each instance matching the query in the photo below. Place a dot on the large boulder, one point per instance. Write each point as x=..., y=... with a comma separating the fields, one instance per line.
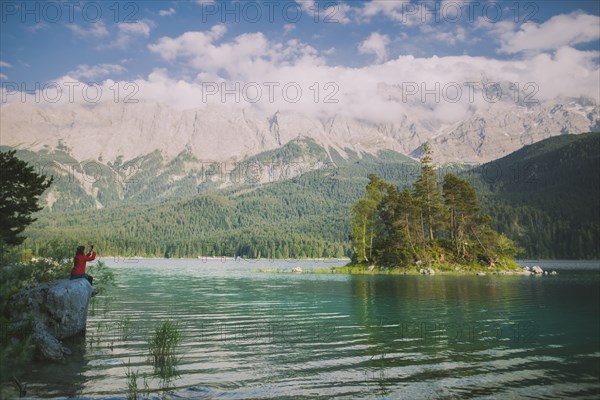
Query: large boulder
x=57, y=310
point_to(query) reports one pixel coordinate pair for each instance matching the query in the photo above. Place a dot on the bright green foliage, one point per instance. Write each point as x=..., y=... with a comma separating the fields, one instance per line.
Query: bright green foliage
x=407, y=227
x=104, y=277
x=133, y=391
x=163, y=348
x=398, y=227
x=365, y=227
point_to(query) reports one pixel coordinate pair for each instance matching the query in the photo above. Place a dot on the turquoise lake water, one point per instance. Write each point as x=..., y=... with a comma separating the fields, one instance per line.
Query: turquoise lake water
x=248, y=334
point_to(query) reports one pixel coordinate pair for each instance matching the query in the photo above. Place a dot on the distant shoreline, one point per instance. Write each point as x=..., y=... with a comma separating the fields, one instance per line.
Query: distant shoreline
x=540, y=260
x=339, y=266
x=227, y=259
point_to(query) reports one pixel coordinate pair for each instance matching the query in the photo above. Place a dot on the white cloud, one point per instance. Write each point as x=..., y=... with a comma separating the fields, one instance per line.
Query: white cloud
x=376, y=44
x=494, y=27
x=329, y=12
x=38, y=27
x=135, y=28
x=96, y=29
x=188, y=44
x=2, y=76
x=128, y=32
x=246, y=52
x=308, y=6
x=344, y=13
x=251, y=58
x=287, y=28
x=84, y=71
x=403, y=12
x=164, y=13
x=558, y=31
x=459, y=35
x=372, y=92
x=388, y=8
x=4, y=64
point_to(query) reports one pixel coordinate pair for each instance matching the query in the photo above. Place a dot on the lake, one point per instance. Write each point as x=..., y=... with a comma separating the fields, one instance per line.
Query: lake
x=247, y=334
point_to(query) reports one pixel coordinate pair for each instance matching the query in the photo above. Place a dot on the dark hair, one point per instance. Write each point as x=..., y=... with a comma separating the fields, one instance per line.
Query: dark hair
x=80, y=250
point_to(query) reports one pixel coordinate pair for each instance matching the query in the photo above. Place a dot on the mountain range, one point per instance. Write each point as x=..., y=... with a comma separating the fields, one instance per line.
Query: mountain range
x=106, y=131
x=152, y=180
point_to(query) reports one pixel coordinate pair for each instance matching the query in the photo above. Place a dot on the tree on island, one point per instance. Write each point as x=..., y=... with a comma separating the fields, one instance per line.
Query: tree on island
x=432, y=223
x=428, y=196
x=20, y=189
x=365, y=218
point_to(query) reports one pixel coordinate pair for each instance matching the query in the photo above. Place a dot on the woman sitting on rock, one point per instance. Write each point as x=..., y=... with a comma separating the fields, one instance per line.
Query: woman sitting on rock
x=79, y=261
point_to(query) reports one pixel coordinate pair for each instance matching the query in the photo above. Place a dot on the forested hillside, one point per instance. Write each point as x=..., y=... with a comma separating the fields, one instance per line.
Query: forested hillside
x=305, y=216
x=545, y=197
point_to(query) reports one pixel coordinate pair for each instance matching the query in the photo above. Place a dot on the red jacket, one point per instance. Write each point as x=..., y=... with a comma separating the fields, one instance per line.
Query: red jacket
x=79, y=262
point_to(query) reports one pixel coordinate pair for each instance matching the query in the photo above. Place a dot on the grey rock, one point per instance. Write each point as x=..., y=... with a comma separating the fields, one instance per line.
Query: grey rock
x=536, y=269
x=58, y=310
x=525, y=272
x=50, y=348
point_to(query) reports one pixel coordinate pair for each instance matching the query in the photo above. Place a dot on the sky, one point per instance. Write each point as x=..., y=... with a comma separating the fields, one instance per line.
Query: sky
x=368, y=59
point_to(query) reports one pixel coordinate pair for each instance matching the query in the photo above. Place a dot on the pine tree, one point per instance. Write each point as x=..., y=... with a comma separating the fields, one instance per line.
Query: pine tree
x=365, y=219
x=461, y=201
x=408, y=214
x=396, y=213
x=429, y=197
x=20, y=189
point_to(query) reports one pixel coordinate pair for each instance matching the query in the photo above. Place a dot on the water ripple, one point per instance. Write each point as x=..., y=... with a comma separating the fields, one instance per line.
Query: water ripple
x=252, y=335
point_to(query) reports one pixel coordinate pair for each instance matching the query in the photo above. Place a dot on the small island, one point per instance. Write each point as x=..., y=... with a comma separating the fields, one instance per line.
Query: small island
x=426, y=229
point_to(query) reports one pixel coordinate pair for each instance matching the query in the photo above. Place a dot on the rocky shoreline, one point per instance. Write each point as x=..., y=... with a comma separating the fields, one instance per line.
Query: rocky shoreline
x=429, y=271
x=457, y=271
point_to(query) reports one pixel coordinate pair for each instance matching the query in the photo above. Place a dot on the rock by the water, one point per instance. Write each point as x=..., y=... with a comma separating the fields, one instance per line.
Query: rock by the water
x=537, y=270
x=297, y=269
x=49, y=347
x=481, y=273
x=58, y=310
x=526, y=272
x=553, y=273
x=427, y=271
x=370, y=268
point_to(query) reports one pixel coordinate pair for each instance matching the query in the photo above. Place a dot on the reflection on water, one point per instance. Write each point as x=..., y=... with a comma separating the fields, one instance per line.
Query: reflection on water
x=254, y=335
